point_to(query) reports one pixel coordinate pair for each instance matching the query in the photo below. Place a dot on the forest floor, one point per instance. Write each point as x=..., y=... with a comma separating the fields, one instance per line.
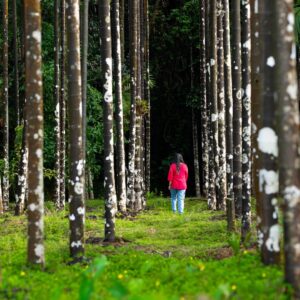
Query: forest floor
x=161, y=256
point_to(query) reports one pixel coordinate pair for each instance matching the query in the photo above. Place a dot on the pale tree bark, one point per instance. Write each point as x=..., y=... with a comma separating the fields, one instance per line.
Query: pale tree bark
x=214, y=143
x=84, y=39
x=147, y=98
x=246, y=118
x=288, y=139
x=22, y=181
x=91, y=185
x=203, y=98
x=133, y=93
x=267, y=167
x=230, y=209
x=109, y=176
x=57, y=103
x=120, y=178
x=76, y=186
x=16, y=61
x=35, y=132
x=122, y=29
x=221, y=200
x=62, y=106
x=5, y=112
x=237, y=105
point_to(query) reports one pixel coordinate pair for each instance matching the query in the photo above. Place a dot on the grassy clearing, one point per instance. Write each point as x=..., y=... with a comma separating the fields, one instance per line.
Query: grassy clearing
x=168, y=257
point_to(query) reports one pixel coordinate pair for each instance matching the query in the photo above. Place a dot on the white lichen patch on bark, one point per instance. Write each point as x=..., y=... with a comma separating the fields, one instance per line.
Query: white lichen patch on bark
x=268, y=141
x=272, y=243
x=268, y=181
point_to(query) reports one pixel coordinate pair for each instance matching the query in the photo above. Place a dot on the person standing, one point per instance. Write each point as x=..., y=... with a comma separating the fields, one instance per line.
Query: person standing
x=177, y=177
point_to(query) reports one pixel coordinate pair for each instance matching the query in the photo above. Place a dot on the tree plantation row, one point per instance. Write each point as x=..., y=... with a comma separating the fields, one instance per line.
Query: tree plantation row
x=248, y=116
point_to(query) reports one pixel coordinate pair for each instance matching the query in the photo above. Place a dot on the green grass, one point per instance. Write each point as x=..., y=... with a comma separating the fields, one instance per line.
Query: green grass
x=168, y=257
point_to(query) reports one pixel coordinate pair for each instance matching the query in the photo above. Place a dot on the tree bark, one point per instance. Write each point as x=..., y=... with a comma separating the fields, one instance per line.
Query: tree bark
x=62, y=108
x=76, y=186
x=246, y=119
x=230, y=209
x=16, y=61
x=5, y=111
x=221, y=201
x=213, y=106
x=120, y=178
x=133, y=93
x=267, y=167
x=289, y=143
x=203, y=97
x=57, y=103
x=34, y=98
x=1, y=198
x=84, y=58
x=109, y=176
x=237, y=107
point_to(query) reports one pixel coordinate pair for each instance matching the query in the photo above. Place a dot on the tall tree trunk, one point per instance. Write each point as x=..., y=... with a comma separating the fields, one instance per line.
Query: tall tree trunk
x=203, y=97
x=268, y=227
x=237, y=107
x=91, y=185
x=57, y=103
x=133, y=83
x=195, y=134
x=213, y=105
x=120, y=178
x=5, y=108
x=246, y=118
x=62, y=107
x=16, y=61
x=289, y=143
x=228, y=115
x=76, y=187
x=147, y=98
x=109, y=176
x=1, y=198
x=84, y=39
x=122, y=28
x=34, y=98
x=221, y=201
x=22, y=181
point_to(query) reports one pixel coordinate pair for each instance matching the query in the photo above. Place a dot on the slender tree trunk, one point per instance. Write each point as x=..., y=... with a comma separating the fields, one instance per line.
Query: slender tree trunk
x=62, y=108
x=256, y=86
x=91, y=185
x=1, y=198
x=84, y=39
x=76, y=187
x=195, y=135
x=246, y=118
x=213, y=105
x=147, y=98
x=237, y=107
x=57, y=103
x=120, y=178
x=289, y=143
x=203, y=97
x=122, y=28
x=133, y=83
x=16, y=61
x=228, y=115
x=221, y=202
x=5, y=108
x=34, y=98
x=22, y=171
x=109, y=176
x=268, y=227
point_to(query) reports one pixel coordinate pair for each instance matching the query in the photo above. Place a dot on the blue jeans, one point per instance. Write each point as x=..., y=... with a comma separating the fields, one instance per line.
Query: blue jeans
x=177, y=195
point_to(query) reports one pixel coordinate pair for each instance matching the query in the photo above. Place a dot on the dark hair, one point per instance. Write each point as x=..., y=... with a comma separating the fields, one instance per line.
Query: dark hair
x=178, y=158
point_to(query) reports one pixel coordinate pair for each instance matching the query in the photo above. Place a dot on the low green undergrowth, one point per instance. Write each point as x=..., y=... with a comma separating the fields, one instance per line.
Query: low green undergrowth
x=165, y=256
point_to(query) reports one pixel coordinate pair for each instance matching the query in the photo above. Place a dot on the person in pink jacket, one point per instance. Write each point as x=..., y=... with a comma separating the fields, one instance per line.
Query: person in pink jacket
x=177, y=177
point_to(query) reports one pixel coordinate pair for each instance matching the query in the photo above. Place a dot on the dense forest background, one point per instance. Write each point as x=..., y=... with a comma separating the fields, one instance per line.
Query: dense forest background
x=174, y=57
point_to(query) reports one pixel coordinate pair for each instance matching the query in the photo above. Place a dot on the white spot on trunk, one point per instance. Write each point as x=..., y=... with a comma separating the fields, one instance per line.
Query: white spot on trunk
x=272, y=242
x=268, y=182
x=268, y=141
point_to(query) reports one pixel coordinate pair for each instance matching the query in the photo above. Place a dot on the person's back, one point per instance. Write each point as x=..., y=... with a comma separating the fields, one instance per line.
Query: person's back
x=178, y=178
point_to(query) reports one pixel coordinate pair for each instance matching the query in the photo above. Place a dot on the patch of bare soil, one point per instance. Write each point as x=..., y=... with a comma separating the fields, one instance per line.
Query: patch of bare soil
x=217, y=218
x=128, y=215
x=220, y=253
x=118, y=242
